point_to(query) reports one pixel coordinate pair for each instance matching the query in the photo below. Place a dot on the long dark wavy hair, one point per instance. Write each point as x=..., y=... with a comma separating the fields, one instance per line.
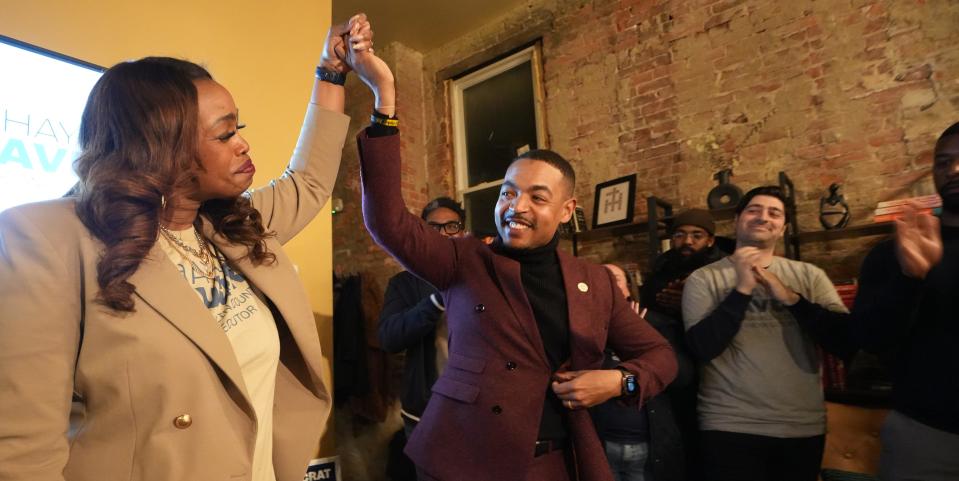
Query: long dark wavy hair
x=138, y=140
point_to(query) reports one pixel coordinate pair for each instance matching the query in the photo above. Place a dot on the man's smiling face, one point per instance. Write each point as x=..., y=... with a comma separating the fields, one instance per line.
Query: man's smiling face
x=534, y=200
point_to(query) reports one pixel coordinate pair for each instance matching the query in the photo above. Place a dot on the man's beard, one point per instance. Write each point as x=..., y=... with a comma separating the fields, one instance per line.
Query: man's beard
x=950, y=196
x=688, y=263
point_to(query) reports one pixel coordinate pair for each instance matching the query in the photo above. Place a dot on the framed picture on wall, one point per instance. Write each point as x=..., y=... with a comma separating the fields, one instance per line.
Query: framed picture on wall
x=614, y=201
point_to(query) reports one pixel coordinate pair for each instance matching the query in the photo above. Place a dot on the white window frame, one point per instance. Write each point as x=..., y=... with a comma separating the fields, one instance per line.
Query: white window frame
x=532, y=54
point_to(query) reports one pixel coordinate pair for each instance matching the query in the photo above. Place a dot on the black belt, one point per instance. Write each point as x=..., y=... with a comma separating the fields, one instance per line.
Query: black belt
x=547, y=446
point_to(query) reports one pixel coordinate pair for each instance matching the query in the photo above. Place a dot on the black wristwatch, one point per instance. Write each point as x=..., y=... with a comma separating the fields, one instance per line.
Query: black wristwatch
x=330, y=76
x=630, y=386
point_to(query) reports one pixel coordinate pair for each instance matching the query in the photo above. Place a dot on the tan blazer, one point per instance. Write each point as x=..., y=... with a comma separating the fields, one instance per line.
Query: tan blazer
x=162, y=393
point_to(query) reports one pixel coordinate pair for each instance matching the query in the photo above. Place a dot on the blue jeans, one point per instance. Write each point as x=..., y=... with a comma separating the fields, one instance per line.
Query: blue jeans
x=912, y=450
x=627, y=461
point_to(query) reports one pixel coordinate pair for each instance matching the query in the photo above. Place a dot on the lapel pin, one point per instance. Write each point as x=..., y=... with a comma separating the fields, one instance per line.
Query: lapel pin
x=582, y=287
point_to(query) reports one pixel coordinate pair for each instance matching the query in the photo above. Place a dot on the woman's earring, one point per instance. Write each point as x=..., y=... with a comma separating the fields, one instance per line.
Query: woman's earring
x=162, y=202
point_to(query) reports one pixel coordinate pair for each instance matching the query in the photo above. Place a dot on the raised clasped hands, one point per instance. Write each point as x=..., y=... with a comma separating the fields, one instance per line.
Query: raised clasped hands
x=371, y=69
x=918, y=242
x=349, y=47
x=355, y=32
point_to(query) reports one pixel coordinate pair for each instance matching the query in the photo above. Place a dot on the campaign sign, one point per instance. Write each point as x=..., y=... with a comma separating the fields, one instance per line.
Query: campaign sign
x=42, y=96
x=323, y=469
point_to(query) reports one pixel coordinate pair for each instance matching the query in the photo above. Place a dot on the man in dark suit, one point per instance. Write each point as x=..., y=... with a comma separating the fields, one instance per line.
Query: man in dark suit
x=413, y=319
x=693, y=244
x=528, y=325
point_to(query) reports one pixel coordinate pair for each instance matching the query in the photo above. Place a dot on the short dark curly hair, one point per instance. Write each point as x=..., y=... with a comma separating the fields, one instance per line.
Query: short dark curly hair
x=446, y=203
x=554, y=159
x=768, y=190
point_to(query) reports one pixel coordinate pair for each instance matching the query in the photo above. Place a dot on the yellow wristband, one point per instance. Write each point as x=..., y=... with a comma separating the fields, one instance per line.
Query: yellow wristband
x=384, y=121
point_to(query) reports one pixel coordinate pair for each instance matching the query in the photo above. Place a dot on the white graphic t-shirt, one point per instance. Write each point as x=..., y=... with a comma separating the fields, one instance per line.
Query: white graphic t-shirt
x=247, y=323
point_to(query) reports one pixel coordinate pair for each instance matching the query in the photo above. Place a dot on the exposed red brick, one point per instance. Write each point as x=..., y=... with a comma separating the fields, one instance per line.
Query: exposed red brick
x=627, y=87
x=889, y=137
x=923, y=72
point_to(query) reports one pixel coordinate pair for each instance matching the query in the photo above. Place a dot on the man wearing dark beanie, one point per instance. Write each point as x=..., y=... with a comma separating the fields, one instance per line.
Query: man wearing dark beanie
x=692, y=245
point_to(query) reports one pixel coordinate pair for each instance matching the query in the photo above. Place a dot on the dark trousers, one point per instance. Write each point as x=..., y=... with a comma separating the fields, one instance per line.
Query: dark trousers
x=749, y=457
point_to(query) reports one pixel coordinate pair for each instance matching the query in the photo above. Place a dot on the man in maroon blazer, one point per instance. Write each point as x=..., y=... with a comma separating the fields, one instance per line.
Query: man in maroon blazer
x=527, y=323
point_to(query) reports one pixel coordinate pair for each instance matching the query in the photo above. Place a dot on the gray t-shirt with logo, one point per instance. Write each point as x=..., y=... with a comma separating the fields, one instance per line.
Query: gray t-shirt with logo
x=767, y=381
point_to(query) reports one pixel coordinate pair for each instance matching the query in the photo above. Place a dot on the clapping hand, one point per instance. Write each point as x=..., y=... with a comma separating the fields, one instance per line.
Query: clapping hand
x=634, y=306
x=672, y=295
x=918, y=242
x=775, y=287
x=745, y=259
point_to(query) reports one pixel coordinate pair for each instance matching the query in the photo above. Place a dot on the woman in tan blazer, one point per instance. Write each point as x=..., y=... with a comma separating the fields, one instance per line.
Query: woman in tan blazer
x=159, y=298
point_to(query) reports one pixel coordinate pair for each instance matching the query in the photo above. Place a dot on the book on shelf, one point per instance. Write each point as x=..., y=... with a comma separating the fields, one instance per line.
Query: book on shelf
x=891, y=216
x=579, y=219
x=576, y=223
x=833, y=371
x=847, y=291
x=899, y=208
x=890, y=210
x=833, y=368
x=932, y=200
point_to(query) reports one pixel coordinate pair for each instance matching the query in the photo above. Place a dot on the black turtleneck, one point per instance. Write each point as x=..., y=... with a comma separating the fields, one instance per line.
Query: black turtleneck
x=543, y=282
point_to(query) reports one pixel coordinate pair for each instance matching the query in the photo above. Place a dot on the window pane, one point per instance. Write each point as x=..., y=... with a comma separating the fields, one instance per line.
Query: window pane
x=479, y=211
x=499, y=119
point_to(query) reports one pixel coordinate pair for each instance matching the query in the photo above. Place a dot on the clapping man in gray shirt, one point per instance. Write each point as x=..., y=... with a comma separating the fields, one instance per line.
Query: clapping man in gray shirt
x=753, y=320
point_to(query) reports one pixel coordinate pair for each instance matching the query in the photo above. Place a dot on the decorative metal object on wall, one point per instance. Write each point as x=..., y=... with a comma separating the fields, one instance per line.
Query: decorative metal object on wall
x=833, y=209
x=726, y=194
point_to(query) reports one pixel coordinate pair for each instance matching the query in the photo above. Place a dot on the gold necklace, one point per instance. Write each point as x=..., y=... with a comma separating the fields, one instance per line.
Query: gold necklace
x=203, y=253
x=209, y=268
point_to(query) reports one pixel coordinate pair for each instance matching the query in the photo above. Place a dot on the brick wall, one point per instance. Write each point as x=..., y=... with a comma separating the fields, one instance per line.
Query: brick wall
x=361, y=444
x=849, y=91
x=353, y=249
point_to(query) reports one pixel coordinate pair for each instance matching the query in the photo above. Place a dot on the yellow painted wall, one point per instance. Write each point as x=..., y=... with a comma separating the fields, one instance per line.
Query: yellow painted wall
x=263, y=52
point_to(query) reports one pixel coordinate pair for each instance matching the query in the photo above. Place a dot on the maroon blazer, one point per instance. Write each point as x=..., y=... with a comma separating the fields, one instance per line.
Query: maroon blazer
x=483, y=419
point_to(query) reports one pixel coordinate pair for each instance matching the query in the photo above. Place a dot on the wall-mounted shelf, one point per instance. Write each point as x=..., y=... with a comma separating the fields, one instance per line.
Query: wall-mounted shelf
x=864, y=230
x=660, y=216
x=610, y=232
x=641, y=226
